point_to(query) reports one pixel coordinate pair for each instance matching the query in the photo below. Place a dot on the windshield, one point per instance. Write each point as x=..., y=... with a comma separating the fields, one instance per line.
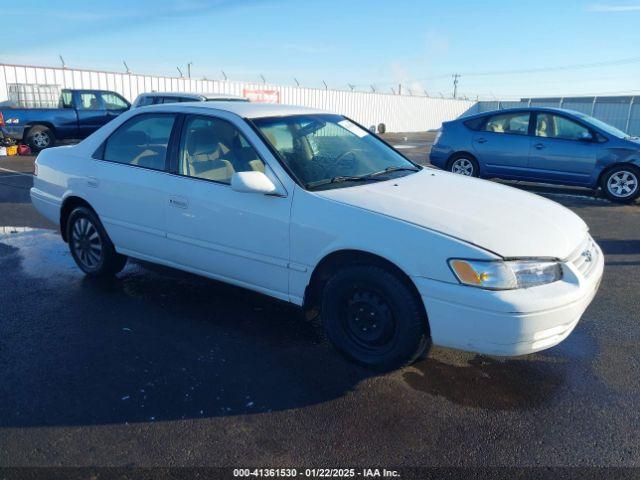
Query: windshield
x=329, y=151
x=611, y=130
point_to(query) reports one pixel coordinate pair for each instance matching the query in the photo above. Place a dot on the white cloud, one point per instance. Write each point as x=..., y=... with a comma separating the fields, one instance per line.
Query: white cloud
x=608, y=8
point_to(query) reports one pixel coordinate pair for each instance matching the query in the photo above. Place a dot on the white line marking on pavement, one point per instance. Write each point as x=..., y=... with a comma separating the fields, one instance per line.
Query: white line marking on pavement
x=16, y=172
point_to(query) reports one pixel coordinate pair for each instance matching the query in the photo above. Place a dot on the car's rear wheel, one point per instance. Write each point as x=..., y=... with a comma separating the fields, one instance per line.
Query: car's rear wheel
x=90, y=245
x=373, y=317
x=464, y=165
x=40, y=137
x=621, y=184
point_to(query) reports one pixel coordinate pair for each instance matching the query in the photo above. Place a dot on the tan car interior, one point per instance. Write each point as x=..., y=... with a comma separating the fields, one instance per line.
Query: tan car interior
x=214, y=151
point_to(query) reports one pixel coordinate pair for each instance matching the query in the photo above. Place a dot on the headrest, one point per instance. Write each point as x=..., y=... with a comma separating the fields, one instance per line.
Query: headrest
x=202, y=141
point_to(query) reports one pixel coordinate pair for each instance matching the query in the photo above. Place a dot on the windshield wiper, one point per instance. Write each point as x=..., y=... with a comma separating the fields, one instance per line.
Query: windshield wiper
x=342, y=179
x=391, y=169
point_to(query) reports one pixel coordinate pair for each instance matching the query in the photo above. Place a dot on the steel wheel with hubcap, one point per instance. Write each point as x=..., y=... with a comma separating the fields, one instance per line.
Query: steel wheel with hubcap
x=622, y=184
x=463, y=165
x=90, y=245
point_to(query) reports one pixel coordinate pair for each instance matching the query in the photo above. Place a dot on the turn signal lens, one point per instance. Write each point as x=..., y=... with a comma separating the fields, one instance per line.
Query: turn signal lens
x=499, y=275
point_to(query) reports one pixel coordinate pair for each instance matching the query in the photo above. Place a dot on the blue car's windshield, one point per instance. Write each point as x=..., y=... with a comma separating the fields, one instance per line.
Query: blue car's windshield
x=611, y=130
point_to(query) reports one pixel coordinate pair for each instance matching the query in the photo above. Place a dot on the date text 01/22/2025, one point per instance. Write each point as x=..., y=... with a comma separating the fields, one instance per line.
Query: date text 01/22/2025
x=316, y=473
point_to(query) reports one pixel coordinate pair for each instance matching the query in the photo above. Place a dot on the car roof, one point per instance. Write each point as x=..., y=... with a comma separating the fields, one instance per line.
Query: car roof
x=242, y=109
x=172, y=94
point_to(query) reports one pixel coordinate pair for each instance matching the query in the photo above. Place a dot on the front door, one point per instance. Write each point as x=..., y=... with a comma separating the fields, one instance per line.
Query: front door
x=216, y=231
x=502, y=146
x=562, y=151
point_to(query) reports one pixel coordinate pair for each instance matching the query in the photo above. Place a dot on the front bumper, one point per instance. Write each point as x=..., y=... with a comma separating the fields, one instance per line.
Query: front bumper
x=509, y=322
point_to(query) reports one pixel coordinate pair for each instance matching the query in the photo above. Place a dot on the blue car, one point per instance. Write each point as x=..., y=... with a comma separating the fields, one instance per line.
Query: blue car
x=546, y=145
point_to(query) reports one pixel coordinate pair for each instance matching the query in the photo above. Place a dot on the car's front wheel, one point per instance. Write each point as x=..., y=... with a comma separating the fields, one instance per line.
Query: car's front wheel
x=621, y=184
x=373, y=317
x=464, y=165
x=90, y=245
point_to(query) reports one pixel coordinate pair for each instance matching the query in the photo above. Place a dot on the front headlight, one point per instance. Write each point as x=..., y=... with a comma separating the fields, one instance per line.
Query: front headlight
x=505, y=275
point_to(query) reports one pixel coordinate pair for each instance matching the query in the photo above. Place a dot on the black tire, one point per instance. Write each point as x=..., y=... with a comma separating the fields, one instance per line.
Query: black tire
x=40, y=137
x=464, y=164
x=372, y=317
x=90, y=245
x=621, y=184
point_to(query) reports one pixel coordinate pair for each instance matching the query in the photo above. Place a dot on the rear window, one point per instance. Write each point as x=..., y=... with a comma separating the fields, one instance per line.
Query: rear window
x=142, y=141
x=475, y=123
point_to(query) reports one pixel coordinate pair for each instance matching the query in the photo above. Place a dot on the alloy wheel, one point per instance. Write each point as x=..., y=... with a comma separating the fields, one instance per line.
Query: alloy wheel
x=86, y=243
x=41, y=139
x=462, y=166
x=622, y=184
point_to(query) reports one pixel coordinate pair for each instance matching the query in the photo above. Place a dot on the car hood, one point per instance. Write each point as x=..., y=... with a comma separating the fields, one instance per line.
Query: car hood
x=504, y=220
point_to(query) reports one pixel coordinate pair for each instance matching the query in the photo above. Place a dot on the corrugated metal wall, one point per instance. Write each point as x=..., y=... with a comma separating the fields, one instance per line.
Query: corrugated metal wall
x=400, y=113
x=621, y=112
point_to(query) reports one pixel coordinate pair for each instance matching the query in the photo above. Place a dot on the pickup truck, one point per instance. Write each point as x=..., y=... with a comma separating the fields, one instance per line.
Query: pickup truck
x=81, y=112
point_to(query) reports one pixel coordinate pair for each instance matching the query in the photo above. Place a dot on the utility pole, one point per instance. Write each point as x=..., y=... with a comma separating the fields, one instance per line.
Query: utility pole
x=189, y=69
x=456, y=78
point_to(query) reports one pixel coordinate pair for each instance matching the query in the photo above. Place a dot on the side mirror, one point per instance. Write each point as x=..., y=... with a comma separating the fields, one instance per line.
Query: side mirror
x=252, y=182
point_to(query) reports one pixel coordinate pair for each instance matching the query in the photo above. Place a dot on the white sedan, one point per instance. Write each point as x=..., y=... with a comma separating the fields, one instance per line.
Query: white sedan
x=311, y=208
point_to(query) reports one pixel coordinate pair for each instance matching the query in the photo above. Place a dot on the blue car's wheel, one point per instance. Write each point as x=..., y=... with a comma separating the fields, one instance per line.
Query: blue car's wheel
x=464, y=165
x=622, y=183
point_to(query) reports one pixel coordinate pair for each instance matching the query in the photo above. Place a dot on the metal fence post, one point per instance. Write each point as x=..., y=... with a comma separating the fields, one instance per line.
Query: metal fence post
x=631, y=102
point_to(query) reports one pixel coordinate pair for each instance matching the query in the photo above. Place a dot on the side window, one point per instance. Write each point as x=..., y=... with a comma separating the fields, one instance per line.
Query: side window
x=146, y=100
x=513, y=123
x=114, y=102
x=214, y=149
x=141, y=141
x=555, y=126
x=89, y=101
x=66, y=99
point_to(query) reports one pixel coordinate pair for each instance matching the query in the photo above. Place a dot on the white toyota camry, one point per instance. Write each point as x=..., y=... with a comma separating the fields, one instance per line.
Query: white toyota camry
x=311, y=208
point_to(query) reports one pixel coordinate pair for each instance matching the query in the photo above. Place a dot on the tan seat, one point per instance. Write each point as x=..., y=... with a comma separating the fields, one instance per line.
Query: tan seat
x=203, y=157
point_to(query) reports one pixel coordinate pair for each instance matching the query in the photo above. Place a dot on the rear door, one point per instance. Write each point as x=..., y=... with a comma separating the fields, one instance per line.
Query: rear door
x=92, y=113
x=503, y=143
x=114, y=104
x=129, y=184
x=563, y=150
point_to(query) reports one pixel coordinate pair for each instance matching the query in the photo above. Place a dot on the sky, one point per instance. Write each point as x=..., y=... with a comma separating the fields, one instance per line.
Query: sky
x=501, y=49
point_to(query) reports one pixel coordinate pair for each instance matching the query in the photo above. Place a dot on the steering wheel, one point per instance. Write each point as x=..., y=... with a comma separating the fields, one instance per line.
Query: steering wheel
x=345, y=163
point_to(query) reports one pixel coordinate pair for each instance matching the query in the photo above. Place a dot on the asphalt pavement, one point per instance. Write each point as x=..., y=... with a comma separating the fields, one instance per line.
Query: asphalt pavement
x=161, y=368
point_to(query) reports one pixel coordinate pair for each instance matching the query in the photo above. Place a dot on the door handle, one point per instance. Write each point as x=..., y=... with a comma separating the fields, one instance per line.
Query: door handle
x=539, y=146
x=481, y=140
x=179, y=202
